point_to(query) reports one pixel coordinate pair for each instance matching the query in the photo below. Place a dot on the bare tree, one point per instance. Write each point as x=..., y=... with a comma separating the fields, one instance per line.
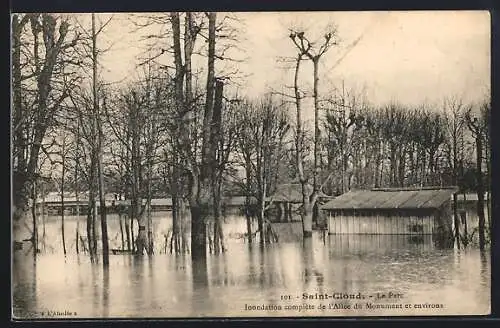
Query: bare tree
x=39, y=78
x=341, y=119
x=485, y=121
x=261, y=146
x=306, y=49
x=477, y=128
x=455, y=114
x=99, y=134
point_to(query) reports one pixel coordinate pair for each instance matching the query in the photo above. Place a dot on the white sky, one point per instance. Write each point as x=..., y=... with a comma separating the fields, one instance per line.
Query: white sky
x=409, y=57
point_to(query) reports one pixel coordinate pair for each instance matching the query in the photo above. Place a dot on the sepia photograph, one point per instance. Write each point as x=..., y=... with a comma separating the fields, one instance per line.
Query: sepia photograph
x=250, y=164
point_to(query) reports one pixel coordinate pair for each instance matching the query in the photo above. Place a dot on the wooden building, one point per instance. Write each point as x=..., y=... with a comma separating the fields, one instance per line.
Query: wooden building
x=424, y=211
x=237, y=205
x=52, y=204
x=287, y=202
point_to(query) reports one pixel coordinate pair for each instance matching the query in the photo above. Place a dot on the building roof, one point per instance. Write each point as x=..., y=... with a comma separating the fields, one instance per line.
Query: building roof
x=70, y=196
x=469, y=197
x=154, y=202
x=237, y=200
x=290, y=193
x=392, y=198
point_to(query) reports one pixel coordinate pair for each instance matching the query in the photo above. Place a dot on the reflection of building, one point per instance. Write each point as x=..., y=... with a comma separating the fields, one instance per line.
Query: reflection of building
x=342, y=244
x=424, y=210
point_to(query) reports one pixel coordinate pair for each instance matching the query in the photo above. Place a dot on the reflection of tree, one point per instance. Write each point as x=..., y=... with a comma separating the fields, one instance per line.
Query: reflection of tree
x=308, y=261
x=105, y=292
x=251, y=264
x=485, y=275
x=262, y=264
x=201, y=302
x=199, y=274
x=260, y=269
x=136, y=277
x=220, y=271
x=24, y=289
x=310, y=270
x=95, y=288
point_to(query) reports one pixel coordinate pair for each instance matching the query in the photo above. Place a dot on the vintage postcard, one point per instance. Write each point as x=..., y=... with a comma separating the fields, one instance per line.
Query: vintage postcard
x=257, y=164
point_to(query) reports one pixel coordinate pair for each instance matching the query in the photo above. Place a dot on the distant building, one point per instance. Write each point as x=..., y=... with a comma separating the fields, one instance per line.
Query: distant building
x=392, y=211
x=287, y=200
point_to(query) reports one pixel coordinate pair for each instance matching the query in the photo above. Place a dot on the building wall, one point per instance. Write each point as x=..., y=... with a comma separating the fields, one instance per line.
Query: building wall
x=378, y=244
x=472, y=218
x=380, y=224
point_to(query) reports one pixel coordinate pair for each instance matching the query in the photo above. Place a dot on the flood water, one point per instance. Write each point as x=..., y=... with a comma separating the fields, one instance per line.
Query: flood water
x=248, y=281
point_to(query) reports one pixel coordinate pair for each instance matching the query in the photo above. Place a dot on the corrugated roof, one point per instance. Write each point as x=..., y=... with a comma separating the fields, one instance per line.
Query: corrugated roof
x=391, y=198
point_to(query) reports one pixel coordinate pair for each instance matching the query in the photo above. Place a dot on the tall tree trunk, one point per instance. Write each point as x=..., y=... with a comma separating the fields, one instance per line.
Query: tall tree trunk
x=209, y=101
x=455, y=183
x=148, y=212
x=43, y=215
x=127, y=234
x=89, y=228
x=103, y=210
x=200, y=204
x=182, y=214
x=263, y=236
x=199, y=193
x=317, y=134
x=131, y=228
x=63, y=175
x=488, y=175
x=91, y=208
x=174, y=244
x=100, y=137
x=299, y=144
x=43, y=114
x=94, y=228
x=456, y=221
x=216, y=167
x=34, y=238
x=21, y=175
x=480, y=190
x=18, y=117
x=248, y=184
x=261, y=193
x=149, y=217
x=120, y=219
x=136, y=198
x=77, y=186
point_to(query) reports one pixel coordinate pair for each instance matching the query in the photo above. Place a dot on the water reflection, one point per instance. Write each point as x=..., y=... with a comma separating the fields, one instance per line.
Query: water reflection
x=95, y=288
x=252, y=274
x=166, y=285
x=106, y=293
x=24, y=283
x=201, y=304
x=484, y=274
x=307, y=261
x=261, y=266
